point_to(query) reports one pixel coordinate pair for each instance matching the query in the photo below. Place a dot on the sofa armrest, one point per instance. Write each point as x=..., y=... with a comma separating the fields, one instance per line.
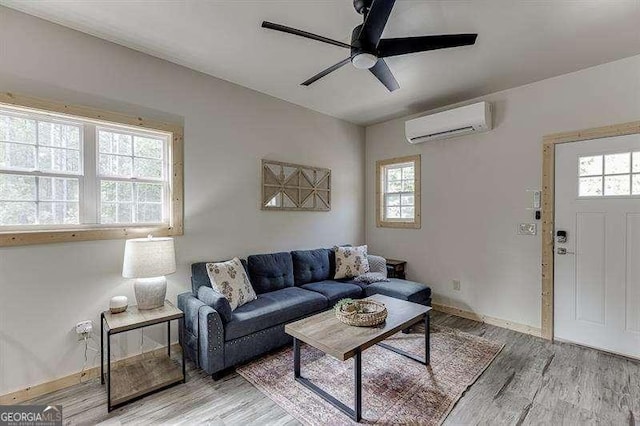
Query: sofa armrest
x=211, y=340
x=189, y=328
x=190, y=305
x=217, y=301
x=377, y=264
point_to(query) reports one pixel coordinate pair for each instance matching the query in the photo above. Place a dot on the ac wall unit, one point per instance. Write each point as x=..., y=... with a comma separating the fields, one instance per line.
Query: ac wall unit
x=465, y=120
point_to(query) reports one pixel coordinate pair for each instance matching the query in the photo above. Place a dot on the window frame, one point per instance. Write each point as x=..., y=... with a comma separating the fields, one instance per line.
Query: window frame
x=381, y=167
x=55, y=111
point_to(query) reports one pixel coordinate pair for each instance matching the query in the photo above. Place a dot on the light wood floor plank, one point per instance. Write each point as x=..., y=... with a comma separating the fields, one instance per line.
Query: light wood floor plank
x=531, y=382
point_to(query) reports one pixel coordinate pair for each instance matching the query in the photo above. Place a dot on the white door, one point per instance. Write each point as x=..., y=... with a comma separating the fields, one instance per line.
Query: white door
x=597, y=269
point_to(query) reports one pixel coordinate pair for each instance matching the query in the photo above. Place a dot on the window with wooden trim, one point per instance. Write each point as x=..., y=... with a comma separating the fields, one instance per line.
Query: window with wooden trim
x=398, y=192
x=71, y=177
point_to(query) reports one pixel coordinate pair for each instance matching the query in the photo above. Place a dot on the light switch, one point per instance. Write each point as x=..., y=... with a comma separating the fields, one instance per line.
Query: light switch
x=527, y=229
x=536, y=200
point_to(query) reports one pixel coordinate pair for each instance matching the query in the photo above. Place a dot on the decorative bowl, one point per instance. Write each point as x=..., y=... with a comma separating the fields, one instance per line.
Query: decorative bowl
x=361, y=313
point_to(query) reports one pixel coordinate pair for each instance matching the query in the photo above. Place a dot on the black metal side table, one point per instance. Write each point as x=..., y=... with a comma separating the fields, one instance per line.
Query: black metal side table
x=135, y=377
x=396, y=268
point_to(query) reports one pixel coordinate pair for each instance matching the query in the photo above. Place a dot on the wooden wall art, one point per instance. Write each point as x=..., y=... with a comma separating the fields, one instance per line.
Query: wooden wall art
x=293, y=187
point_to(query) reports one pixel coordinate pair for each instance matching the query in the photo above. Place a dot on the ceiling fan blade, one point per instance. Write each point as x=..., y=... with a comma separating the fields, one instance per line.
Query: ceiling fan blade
x=375, y=22
x=321, y=74
x=285, y=29
x=401, y=46
x=383, y=73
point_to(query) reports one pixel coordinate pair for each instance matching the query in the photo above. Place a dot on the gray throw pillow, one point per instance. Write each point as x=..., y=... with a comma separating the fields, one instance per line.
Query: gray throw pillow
x=377, y=264
x=371, y=277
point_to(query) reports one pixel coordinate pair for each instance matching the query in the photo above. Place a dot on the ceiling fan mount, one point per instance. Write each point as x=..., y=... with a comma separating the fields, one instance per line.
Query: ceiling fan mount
x=362, y=6
x=368, y=49
x=362, y=57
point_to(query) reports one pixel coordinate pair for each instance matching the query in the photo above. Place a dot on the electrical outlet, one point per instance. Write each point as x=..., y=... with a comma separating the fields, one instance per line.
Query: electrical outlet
x=84, y=328
x=527, y=229
x=456, y=285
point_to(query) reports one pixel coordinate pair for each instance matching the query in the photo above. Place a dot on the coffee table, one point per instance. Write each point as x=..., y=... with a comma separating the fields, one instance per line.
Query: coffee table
x=325, y=332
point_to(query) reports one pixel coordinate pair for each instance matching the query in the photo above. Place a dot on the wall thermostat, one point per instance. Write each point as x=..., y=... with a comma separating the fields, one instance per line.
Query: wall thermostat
x=536, y=199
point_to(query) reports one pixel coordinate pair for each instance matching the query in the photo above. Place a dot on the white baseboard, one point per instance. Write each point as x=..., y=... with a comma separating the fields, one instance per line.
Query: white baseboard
x=499, y=322
x=35, y=391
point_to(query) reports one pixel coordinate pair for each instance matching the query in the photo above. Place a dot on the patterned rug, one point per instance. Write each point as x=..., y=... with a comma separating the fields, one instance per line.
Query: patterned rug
x=395, y=389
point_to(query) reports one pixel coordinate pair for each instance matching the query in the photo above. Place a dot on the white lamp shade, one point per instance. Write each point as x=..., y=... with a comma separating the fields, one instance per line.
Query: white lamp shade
x=148, y=257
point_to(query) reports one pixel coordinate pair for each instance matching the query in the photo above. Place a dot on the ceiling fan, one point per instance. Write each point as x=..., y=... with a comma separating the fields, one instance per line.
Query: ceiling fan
x=368, y=50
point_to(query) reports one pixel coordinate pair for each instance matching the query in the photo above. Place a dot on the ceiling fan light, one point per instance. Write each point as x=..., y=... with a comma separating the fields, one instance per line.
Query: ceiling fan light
x=364, y=61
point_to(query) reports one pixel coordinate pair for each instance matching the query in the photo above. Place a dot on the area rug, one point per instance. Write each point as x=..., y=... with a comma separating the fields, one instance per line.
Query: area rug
x=395, y=389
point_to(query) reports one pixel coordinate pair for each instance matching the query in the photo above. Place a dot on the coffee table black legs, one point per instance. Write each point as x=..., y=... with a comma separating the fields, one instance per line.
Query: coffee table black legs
x=357, y=391
x=427, y=345
x=296, y=358
x=355, y=414
x=427, y=338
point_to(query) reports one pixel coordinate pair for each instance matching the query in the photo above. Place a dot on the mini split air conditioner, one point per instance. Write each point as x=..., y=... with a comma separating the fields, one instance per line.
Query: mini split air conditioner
x=465, y=120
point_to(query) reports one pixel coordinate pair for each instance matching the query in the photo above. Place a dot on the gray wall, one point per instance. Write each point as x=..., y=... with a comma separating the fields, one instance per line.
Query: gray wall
x=474, y=190
x=45, y=290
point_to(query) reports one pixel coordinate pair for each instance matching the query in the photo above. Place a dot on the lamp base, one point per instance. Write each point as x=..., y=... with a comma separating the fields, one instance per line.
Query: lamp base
x=150, y=292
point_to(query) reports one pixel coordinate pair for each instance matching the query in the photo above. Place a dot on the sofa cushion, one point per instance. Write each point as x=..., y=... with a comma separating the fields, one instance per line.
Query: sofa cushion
x=270, y=272
x=335, y=290
x=271, y=309
x=200, y=277
x=400, y=289
x=310, y=266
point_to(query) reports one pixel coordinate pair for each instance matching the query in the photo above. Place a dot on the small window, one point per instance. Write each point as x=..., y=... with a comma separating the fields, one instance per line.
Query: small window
x=610, y=175
x=398, y=189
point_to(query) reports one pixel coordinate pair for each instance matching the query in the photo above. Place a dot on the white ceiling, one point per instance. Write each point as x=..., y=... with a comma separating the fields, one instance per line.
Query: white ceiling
x=519, y=42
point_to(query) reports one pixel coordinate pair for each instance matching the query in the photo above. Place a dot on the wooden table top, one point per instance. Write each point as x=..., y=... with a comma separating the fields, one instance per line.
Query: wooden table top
x=133, y=318
x=325, y=332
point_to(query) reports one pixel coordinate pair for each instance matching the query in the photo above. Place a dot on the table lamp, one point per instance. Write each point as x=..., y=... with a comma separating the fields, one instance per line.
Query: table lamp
x=149, y=260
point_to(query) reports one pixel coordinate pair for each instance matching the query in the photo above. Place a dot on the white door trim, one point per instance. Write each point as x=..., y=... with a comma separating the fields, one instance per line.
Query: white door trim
x=548, y=201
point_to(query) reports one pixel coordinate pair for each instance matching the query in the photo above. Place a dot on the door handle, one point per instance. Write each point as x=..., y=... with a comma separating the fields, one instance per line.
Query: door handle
x=563, y=251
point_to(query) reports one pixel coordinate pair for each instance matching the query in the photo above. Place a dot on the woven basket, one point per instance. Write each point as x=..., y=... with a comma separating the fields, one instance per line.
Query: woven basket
x=362, y=313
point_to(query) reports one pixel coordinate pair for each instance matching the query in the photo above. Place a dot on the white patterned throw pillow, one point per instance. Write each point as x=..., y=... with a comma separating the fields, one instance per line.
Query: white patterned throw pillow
x=351, y=262
x=371, y=277
x=230, y=279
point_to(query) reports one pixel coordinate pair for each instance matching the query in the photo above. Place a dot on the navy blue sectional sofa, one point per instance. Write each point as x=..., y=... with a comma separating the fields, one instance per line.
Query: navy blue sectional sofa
x=289, y=286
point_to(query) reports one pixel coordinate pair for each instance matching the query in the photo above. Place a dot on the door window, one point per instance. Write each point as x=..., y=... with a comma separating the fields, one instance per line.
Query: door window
x=609, y=175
